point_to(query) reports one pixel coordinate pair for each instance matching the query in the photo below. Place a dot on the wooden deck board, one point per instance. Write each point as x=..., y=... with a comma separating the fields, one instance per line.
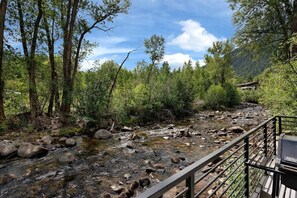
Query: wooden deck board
x=265, y=186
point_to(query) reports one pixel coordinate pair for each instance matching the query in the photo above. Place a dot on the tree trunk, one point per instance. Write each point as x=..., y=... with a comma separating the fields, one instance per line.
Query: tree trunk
x=30, y=57
x=294, y=28
x=54, y=94
x=68, y=30
x=3, y=7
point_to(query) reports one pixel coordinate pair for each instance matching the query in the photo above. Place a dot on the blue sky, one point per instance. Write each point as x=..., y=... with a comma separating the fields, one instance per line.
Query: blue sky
x=188, y=26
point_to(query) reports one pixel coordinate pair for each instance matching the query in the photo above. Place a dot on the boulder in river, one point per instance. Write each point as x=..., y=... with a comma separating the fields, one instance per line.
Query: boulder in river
x=7, y=148
x=67, y=157
x=236, y=129
x=47, y=139
x=103, y=134
x=29, y=150
x=70, y=142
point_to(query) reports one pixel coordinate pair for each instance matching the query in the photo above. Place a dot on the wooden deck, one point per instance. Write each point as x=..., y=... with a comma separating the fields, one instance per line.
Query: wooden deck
x=265, y=186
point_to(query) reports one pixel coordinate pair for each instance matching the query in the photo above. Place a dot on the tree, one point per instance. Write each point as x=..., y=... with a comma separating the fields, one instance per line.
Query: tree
x=266, y=24
x=28, y=16
x=80, y=18
x=218, y=62
x=3, y=7
x=51, y=35
x=155, y=48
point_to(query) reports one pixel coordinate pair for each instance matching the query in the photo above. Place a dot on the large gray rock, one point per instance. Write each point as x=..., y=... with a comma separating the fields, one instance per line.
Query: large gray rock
x=67, y=157
x=47, y=139
x=70, y=142
x=7, y=148
x=29, y=150
x=103, y=134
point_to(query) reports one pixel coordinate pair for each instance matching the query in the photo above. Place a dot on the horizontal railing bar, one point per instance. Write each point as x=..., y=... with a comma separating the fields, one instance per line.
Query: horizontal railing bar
x=255, y=136
x=182, y=192
x=289, y=125
x=219, y=175
x=292, y=117
x=289, y=121
x=258, y=148
x=158, y=190
x=218, y=164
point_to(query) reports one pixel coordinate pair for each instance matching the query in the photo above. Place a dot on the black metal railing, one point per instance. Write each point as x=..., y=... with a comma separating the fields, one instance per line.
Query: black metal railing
x=225, y=172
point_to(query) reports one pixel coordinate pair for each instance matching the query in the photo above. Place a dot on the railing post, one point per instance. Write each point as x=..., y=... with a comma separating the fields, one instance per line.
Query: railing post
x=279, y=125
x=246, y=168
x=265, y=140
x=274, y=135
x=190, y=184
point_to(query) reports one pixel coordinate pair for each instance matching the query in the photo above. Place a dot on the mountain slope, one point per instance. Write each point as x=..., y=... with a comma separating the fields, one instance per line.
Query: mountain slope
x=246, y=66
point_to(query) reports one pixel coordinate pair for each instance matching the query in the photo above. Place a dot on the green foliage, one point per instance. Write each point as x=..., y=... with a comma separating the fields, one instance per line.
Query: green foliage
x=218, y=62
x=155, y=48
x=69, y=131
x=93, y=97
x=250, y=96
x=278, y=89
x=216, y=97
x=3, y=127
x=233, y=96
x=264, y=25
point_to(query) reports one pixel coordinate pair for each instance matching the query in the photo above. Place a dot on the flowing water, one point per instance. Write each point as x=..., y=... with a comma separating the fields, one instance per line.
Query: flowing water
x=103, y=166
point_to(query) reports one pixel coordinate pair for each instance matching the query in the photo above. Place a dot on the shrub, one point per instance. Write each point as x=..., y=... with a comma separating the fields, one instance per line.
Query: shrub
x=250, y=96
x=233, y=96
x=216, y=97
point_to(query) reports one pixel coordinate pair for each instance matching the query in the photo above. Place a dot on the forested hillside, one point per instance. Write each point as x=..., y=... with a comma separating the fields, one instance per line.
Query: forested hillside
x=248, y=65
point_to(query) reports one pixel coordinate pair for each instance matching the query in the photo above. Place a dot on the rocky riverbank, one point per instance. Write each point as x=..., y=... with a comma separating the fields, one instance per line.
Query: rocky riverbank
x=118, y=164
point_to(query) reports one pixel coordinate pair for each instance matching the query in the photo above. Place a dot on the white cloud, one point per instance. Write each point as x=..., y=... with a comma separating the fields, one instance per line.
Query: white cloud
x=88, y=64
x=201, y=62
x=100, y=51
x=177, y=60
x=194, y=37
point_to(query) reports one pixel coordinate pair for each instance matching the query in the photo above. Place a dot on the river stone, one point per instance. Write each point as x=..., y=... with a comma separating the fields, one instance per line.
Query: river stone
x=29, y=150
x=7, y=148
x=222, y=133
x=47, y=139
x=133, y=185
x=6, y=178
x=159, y=166
x=70, y=142
x=126, y=129
x=170, y=126
x=67, y=157
x=175, y=160
x=236, y=129
x=150, y=170
x=144, y=182
x=103, y=134
x=135, y=136
x=127, y=176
